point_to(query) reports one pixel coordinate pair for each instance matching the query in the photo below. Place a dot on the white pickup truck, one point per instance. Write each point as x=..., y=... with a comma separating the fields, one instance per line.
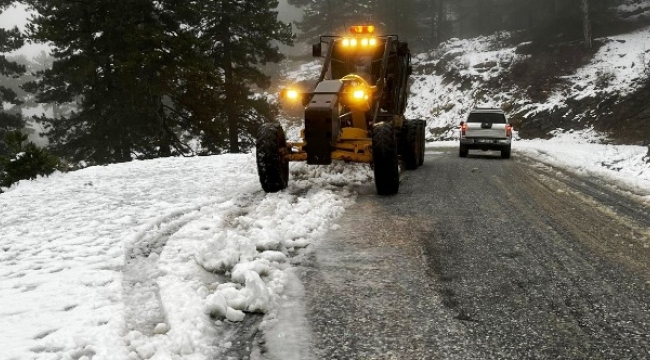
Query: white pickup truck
x=486, y=129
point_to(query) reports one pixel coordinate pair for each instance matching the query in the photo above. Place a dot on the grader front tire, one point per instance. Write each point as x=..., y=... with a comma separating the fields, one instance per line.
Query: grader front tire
x=272, y=169
x=384, y=157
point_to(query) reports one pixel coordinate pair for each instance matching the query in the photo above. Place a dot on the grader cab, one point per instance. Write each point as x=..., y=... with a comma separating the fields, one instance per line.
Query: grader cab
x=355, y=113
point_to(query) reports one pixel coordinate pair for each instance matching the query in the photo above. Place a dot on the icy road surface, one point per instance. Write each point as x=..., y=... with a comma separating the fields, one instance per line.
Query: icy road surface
x=484, y=258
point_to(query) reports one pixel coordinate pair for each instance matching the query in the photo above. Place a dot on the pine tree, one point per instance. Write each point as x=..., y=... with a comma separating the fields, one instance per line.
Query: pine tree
x=9, y=40
x=99, y=65
x=243, y=35
x=127, y=65
x=148, y=75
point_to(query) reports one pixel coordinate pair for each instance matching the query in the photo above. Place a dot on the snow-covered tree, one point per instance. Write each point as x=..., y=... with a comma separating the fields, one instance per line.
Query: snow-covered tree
x=24, y=160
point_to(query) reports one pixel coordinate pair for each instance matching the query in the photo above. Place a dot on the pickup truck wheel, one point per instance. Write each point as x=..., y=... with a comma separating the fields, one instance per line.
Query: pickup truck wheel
x=463, y=151
x=272, y=169
x=410, y=140
x=384, y=159
x=505, y=152
x=422, y=129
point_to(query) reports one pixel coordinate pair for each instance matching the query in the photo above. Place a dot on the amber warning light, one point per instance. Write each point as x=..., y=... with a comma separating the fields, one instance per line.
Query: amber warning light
x=362, y=29
x=361, y=36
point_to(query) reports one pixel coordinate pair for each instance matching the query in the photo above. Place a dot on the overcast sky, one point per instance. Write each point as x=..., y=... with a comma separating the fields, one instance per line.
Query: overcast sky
x=17, y=16
x=288, y=12
x=13, y=16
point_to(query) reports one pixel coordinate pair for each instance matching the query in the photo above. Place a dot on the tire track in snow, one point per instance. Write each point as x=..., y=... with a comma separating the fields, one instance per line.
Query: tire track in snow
x=142, y=304
x=144, y=307
x=173, y=265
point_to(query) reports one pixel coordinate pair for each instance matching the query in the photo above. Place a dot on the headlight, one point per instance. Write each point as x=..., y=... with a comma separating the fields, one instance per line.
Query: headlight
x=359, y=94
x=354, y=42
x=290, y=94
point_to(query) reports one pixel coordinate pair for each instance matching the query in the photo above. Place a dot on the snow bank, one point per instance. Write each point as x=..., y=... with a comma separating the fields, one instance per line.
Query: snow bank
x=148, y=259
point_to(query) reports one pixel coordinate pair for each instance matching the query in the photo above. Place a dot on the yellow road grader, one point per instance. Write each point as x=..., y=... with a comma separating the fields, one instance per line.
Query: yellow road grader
x=355, y=113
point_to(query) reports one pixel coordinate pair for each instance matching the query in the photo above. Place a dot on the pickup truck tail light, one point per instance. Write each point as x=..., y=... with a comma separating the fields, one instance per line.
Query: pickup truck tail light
x=463, y=128
x=509, y=130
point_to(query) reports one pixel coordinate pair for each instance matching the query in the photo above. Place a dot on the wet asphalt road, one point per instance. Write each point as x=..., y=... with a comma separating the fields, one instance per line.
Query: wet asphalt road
x=484, y=258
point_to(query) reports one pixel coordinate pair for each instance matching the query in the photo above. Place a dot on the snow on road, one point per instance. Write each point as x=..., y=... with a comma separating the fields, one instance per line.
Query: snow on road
x=136, y=260
x=149, y=259
x=623, y=168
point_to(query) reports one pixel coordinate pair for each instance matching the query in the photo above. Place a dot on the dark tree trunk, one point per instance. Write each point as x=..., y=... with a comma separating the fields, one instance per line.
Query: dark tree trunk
x=440, y=19
x=231, y=104
x=229, y=84
x=483, y=18
x=586, y=23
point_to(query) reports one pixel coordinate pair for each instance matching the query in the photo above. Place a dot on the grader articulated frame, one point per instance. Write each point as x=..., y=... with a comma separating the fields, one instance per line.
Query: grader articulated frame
x=354, y=114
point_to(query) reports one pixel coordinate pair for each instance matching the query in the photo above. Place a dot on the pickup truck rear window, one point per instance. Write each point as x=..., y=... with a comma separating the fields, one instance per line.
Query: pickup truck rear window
x=487, y=118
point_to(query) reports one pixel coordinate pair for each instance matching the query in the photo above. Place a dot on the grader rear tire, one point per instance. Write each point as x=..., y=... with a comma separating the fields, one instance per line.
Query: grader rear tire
x=422, y=129
x=272, y=169
x=410, y=142
x=384, y=158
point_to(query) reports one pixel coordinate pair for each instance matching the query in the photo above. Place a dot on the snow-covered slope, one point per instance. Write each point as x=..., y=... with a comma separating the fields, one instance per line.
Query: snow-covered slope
x=461, y=74
x=451, y=80
x=634, y=10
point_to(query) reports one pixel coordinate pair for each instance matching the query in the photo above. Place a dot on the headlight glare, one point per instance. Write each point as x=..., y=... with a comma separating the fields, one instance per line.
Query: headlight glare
x=359, y=94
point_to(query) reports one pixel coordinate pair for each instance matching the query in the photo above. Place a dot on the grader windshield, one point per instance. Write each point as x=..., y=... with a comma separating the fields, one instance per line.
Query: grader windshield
x=382, y=61
x=361, y=56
